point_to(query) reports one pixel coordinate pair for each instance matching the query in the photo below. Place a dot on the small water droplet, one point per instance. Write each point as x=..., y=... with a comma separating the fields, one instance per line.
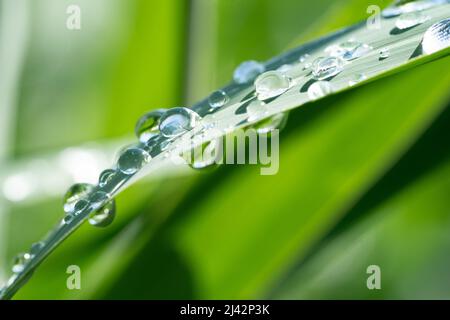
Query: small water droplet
x=206, y=155
x=277, y=121
x=357, y=78
x=20, y=262
x=324, y=68
x=178, y=121
x=36, y=248
x=132, y=160
x=284, y=68
x=303, y=58
x=148, y=125
x=80, y=206
x=247, y=71
x=384, y=53
x=348, y=50
x=411, y=19
x=319, y=89
x=271, y=84
x=68, y=218
x=75, y=193
x=218, y=99
x=104, y=216
x=437, y=37
x=256, y=111
x=106, y=177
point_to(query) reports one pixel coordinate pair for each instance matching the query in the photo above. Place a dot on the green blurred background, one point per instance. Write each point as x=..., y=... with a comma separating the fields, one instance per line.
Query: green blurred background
x=363, y=180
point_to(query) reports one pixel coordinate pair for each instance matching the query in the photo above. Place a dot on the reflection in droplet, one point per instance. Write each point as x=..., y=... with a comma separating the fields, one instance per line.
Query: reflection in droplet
x=409, y=20
x=75, y=193
x=106, y=177
x=218, y=99
x=348, y=50
x=132, y=160
x=147, y=126
x=103, y=216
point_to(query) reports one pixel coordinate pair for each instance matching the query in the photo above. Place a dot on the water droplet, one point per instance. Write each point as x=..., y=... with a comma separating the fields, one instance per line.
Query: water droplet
x=271, y=84
x=437, y=37
x=20, y=262
x=132, y=160
x=36, y=248
x=75, y=193
x=206, y=155
x=277, y=121
x=409, y=20
x=348, y=50
x=324, y=68
x=178, y=121
x=218, y=99
x=247, y=71
x=106, y=177
x=256, y=111
x=319, y=89
x=68, y=218
x=104, y=216
x=284, y=68
x=384, y=53
x=357, y=78
x=147, y=125
x=79, y=206
x=303, y=58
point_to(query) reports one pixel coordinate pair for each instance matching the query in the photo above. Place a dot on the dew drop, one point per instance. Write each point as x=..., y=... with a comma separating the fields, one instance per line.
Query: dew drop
x=178, y=121
x=247, y=71
x=303, y=58
x=319, y=89
x=106, y=177
x=355, y=79
x=348, y=50
x=256, y=111
x=20, y=262
x=411, y=19
x=271, y=84
x=276, y=122
x=147, y=125
x=437, y=37
x=98, y=198
x=384, y=53
x=36, y=248
x=75, y=193
x=218, y=99
x=79, y=206
x=132, y=160
x=324, y=68
x=68, y=218
x=104, y=216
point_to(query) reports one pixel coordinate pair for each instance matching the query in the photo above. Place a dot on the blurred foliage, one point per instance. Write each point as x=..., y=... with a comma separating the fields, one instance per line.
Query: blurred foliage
x=363, y=175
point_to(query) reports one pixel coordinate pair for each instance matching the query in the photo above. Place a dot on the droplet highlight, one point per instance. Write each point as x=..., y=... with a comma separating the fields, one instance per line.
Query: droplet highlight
x=218, y=99
x=178, y=121
x=148, y=125
x=132, y=160
x=271, y=84
x=324, y=68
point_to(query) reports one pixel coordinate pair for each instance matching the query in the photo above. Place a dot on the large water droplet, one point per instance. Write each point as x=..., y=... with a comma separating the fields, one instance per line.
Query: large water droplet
x=437, y=37
x=104, y=216
x=132, y=160
x=148, y=125
x=178, y=121
x=218, y=99
x=319, y=89
x=409, y=20
x=271, y=84
x=384, y=53
x=348, y=50
x=247, y=71
x=75, y=193
x=20, y=262
x=324, y=68
x=276, y=122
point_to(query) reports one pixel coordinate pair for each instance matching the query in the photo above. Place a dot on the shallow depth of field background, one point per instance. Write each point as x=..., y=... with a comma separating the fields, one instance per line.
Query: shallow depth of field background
x=364, y=175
